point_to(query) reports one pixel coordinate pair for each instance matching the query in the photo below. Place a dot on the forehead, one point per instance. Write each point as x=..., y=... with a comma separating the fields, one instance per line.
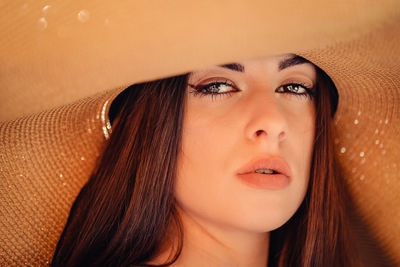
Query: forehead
x=271, y=59
x=275, y=63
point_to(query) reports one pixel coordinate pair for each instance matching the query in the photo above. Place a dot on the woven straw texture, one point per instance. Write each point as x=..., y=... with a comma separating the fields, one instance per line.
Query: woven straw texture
x=45, y=160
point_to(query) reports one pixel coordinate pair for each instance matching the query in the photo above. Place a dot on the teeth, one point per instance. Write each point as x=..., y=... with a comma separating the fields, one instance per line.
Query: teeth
x=265, y=171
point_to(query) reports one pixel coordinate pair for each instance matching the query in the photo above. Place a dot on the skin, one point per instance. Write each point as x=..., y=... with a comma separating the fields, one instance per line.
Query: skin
x=226, y=222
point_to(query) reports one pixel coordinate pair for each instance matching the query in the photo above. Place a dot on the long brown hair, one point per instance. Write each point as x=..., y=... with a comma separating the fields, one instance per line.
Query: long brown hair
x=122, y=215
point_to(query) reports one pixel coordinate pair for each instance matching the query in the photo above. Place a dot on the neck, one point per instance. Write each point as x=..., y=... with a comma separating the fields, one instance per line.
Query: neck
x=210, y=245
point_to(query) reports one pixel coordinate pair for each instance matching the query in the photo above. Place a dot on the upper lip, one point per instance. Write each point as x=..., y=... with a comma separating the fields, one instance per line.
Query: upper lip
x=274, y=163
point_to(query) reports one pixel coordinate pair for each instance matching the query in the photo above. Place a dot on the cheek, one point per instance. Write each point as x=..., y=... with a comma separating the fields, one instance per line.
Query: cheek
x=205, y=186
x=301, y=139
x=205, y=140
x=209, y=135
x=205, y=146
x=298, y=149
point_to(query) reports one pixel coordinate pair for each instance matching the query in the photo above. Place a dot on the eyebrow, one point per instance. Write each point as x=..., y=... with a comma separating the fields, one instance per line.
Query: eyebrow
x=285, y=63
x=292, y=61
x=233, y=66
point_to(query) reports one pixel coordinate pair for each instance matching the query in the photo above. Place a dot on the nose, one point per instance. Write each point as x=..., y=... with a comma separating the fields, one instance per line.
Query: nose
x=266, y=121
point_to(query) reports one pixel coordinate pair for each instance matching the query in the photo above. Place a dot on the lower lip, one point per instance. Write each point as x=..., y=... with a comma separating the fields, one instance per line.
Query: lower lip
x=265, y=181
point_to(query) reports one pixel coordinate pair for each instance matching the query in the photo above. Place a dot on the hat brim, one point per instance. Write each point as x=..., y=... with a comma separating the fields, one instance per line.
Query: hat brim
x=63, y=52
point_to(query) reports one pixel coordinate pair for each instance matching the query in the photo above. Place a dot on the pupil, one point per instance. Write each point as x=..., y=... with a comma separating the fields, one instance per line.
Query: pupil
x=214, y=88
x=293, y=88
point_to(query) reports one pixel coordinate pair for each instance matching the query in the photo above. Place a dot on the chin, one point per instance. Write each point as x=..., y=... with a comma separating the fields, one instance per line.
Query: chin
x=262, y=222
x=268, y=225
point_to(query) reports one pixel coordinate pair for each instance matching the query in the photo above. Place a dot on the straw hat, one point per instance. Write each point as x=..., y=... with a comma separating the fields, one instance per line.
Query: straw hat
x=62, y=64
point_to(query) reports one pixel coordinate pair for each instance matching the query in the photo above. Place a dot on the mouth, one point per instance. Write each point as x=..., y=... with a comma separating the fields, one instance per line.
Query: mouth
x=266, y=171
x=272, y=165
x=271, y=173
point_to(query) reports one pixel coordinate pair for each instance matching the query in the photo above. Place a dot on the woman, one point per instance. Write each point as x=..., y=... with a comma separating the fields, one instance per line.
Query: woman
x=207, y=167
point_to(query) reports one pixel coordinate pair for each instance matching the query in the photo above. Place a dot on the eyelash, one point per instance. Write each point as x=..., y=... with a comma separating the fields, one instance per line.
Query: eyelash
x=203, y=90
x=309, y=93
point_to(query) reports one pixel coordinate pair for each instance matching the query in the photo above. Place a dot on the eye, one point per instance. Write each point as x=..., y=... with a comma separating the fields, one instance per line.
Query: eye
x=213, y=89
x=296, y=89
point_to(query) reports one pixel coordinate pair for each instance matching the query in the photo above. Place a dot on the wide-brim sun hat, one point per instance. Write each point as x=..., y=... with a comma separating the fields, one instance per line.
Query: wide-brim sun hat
x=63, y=63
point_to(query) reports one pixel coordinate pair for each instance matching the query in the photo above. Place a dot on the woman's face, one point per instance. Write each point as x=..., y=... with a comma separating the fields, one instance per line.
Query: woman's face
x=247, y=143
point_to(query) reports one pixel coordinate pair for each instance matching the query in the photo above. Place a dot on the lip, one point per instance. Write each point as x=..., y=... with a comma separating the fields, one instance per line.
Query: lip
x=276, y=181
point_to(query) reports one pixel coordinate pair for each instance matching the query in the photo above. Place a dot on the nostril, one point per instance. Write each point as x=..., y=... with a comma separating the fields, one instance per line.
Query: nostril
x=259, y=132
x=281, y=135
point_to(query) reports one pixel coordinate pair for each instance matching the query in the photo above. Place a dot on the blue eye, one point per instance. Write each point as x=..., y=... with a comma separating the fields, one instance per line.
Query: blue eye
x=296, y=89
x=214, y=89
